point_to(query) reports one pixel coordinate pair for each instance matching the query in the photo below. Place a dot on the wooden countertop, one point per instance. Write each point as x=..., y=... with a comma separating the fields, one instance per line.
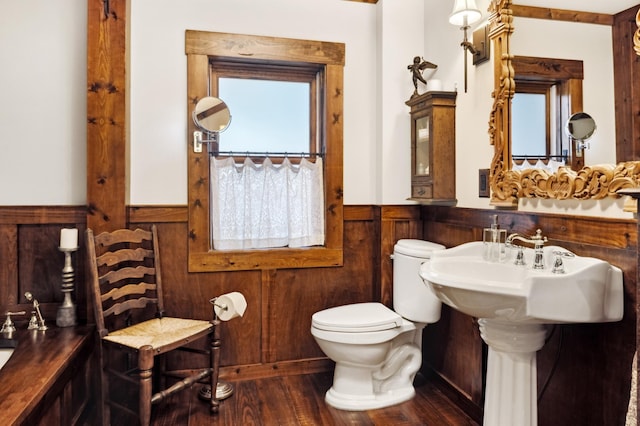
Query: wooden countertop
x=38, y=370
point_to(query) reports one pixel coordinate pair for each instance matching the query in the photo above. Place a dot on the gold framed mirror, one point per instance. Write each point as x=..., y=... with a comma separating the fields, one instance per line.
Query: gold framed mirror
x=507, y=185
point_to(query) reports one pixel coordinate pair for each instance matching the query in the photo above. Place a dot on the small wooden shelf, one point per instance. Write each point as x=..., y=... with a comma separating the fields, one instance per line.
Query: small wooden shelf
x=433, y=152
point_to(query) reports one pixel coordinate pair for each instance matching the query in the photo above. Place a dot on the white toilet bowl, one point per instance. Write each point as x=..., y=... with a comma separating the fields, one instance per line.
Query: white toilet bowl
x=378, y=351
x=364, y=359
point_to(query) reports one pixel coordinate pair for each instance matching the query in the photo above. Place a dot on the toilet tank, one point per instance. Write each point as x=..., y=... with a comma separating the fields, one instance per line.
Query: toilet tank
x=412, y=298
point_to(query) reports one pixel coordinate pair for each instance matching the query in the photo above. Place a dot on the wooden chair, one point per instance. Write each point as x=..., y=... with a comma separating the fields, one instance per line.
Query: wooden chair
x=124, y=267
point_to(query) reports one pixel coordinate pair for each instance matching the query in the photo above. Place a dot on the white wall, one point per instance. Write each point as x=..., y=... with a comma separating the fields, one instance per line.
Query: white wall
x=43, y=80
x=47, y=50
x=400, y=38
x=158, y=82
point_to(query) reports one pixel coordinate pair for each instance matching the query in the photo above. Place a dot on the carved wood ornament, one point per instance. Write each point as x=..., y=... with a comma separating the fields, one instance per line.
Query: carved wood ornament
x=636, y=36
x=507, y=186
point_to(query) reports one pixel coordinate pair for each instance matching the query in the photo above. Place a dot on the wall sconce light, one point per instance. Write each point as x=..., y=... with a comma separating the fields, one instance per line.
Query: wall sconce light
x=465, y=13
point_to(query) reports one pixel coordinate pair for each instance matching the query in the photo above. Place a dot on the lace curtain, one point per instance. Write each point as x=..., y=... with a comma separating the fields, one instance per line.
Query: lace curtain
x=266, y=205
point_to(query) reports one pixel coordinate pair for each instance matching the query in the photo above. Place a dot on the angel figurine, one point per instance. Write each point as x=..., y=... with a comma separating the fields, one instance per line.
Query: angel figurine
x=418, y=66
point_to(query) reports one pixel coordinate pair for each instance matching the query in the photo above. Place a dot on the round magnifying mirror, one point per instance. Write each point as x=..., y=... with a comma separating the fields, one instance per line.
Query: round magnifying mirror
x=212, y=114
x=581, y=126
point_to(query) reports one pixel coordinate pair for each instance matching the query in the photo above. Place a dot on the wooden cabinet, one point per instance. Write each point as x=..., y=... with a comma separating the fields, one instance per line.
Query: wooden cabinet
x=50, y=379
x=433, y=152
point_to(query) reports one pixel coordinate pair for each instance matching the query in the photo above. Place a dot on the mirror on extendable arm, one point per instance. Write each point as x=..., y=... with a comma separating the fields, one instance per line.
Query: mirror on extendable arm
x=580, y=127
x=213, y=116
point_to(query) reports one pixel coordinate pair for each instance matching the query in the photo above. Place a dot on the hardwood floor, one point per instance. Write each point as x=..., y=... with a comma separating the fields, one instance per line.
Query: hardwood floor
x=299, y=400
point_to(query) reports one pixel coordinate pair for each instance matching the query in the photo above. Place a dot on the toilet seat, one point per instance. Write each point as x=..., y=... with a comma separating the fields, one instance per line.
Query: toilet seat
x=357, y=318
x=359, y=323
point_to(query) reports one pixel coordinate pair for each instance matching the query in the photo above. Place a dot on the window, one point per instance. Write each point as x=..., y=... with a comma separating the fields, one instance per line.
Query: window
x=217, y=63
x=532, y=118
x=274, y=116
x=548, y=91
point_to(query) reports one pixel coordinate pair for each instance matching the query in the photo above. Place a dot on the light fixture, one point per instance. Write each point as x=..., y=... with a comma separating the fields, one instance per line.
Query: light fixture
x=465, y=13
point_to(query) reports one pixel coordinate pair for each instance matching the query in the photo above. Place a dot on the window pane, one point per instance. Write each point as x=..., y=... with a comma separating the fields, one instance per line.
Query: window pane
x=266, y=115
x=528, y=124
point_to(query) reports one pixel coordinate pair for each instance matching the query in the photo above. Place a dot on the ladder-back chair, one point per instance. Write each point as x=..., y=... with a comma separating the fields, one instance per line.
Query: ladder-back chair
x=124, y=267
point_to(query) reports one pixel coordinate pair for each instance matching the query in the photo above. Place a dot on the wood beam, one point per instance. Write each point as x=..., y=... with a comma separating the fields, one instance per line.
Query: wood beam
x=106, y=106
x=561, y=15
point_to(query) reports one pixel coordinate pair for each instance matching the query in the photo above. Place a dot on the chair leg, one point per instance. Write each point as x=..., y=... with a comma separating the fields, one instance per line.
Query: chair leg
x=214, y=340
x=103, y=387
x=145, y=365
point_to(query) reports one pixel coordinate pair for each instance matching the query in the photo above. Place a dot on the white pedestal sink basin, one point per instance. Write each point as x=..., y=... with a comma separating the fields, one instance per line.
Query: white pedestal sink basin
x=514, y=304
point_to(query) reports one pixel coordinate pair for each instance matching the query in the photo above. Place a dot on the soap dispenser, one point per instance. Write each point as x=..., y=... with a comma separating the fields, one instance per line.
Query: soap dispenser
x=494, y=240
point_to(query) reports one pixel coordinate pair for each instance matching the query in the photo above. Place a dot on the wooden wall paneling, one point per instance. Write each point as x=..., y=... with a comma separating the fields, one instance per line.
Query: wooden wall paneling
x=452, y=347
x=396, y=222
x=561, y=15
x=627, y=86
x=106, y=120
x=298, y=293
x=157, y=214
x=32, y=261
x=33, y=215
x=188, y=294
x=589, y=365
x=269, y=312
x=273, y=337
x=8, y=267
x=40, y=265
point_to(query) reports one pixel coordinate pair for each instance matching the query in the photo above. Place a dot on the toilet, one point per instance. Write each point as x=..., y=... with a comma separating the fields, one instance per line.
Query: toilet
x=378, y=351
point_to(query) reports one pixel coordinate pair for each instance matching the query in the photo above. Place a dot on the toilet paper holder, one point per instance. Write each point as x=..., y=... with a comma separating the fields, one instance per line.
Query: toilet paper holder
x=225, y=307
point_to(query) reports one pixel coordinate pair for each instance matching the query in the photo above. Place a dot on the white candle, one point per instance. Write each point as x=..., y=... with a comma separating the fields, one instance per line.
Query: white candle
x=69, y=238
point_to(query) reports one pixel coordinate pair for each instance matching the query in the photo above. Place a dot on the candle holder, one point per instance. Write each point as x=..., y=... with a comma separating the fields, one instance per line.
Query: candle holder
x=67, y=311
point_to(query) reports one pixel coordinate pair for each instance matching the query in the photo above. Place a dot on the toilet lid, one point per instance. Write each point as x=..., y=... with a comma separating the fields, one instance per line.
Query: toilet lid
x=358, y=317
x=417, y=248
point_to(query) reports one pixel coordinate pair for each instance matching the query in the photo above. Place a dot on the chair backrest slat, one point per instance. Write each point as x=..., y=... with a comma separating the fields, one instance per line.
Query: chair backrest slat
x=124, y=255
x=119, y=308
x=124, y=268
x=129, y=289
x=123, y=236
x=114, y=276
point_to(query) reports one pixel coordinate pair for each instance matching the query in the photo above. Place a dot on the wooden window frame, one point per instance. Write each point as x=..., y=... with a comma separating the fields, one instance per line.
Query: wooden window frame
x=567, y=76
x=203, y=47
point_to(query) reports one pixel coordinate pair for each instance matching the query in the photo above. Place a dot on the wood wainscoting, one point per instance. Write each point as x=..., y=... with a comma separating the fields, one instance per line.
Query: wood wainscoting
x=31, y=261
x=273, y=336
x=584, y=371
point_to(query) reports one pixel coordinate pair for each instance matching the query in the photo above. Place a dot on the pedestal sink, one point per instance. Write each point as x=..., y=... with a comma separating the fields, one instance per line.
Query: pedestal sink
x=514, y=305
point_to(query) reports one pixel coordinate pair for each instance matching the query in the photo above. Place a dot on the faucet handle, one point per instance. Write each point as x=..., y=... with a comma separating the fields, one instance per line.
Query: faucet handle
x=558, y=265
x=9, y=326
x=538, y=236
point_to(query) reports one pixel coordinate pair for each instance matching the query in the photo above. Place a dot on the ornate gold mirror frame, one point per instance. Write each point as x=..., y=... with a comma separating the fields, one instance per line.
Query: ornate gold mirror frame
x=507, y=186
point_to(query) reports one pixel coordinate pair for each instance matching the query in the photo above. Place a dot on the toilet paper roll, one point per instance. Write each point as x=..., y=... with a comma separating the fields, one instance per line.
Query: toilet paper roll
x=230, y=305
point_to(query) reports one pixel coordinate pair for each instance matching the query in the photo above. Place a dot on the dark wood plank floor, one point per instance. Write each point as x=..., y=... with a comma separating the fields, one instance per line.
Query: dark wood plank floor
x=299, y=400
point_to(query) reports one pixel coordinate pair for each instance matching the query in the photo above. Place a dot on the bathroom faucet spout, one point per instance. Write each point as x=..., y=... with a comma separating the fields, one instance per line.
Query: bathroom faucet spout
x=538, y=245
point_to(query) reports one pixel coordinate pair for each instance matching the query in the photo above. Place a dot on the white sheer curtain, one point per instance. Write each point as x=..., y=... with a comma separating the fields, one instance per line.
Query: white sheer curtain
x=266, y=205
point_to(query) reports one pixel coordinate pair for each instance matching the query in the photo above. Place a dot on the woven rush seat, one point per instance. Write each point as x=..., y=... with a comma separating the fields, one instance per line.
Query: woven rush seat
x=158, y=332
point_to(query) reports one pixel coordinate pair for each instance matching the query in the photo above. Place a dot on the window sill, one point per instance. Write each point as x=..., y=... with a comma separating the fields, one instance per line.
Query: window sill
x=280, y=258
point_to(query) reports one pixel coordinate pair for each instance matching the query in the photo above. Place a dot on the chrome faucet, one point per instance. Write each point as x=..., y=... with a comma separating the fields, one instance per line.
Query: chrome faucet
x=36, y=306
x=538, y=244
